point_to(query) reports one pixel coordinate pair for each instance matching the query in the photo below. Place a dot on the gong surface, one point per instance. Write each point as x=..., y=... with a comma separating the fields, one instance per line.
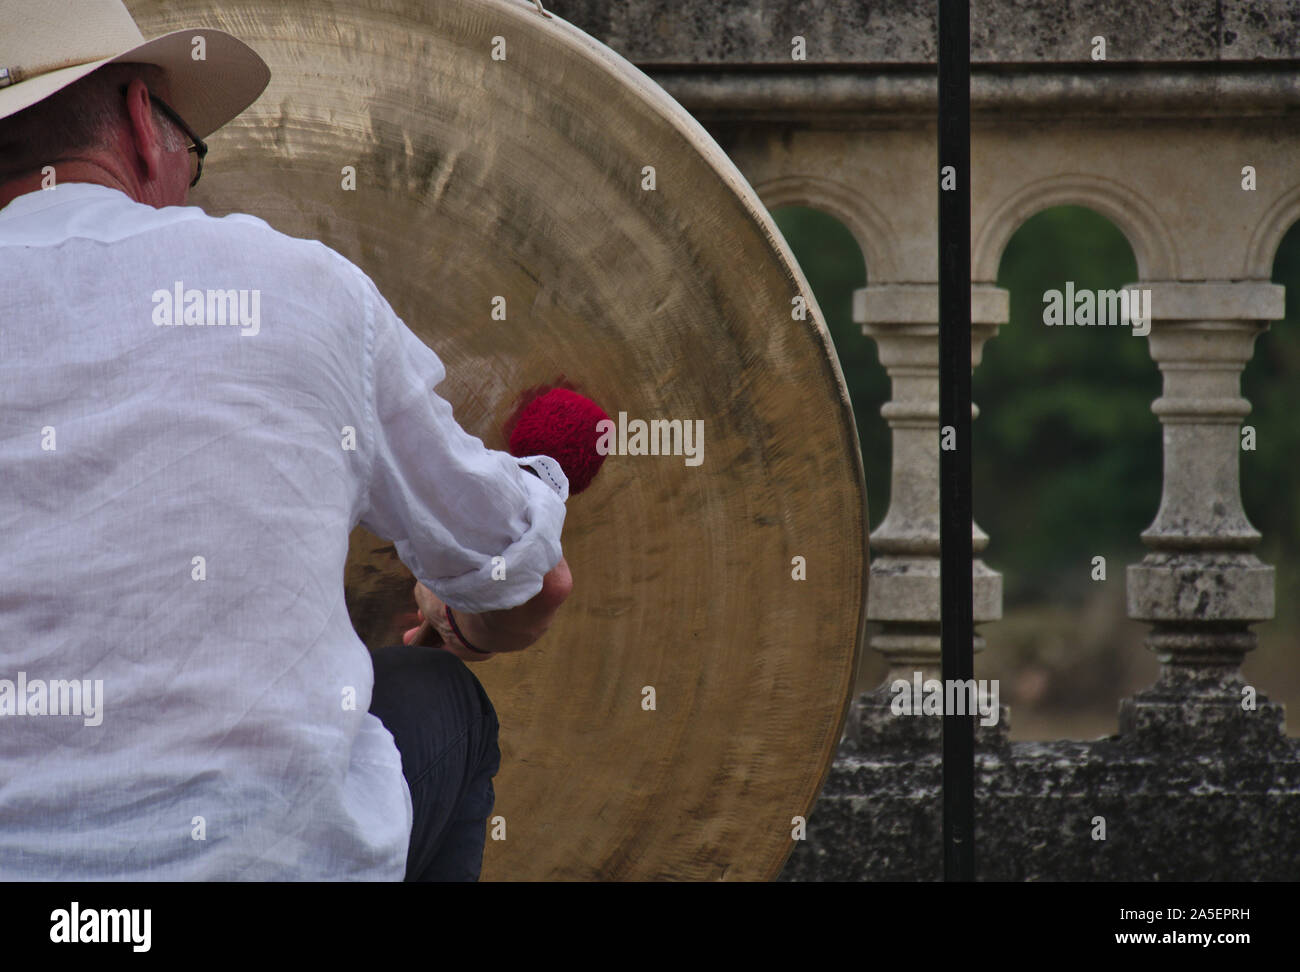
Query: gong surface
x=525, y=178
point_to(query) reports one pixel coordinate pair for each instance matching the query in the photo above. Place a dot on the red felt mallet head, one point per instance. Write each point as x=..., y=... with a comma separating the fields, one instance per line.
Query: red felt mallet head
x=560, y=423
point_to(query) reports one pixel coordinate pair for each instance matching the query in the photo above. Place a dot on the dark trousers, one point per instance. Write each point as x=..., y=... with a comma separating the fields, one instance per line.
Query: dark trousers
x=446, y=731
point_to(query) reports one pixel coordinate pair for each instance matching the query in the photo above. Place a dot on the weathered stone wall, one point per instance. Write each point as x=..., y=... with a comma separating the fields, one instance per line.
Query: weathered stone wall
x=662, y=33
x=1167, y=817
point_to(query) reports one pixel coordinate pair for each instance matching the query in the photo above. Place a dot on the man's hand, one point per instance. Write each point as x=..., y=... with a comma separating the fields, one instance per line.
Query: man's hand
x=509, y=629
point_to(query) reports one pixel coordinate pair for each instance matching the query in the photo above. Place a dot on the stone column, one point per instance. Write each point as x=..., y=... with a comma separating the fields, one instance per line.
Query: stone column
x=1200, y=586
x=904, y=586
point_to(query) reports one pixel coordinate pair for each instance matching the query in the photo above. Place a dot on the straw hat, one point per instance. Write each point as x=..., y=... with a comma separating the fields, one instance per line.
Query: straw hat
x=48, y=44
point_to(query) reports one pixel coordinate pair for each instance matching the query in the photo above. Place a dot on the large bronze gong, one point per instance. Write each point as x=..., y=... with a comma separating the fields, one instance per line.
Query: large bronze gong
x=527, y=177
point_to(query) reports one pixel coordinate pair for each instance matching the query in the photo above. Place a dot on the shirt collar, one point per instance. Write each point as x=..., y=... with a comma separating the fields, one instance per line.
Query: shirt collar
x=64, y=192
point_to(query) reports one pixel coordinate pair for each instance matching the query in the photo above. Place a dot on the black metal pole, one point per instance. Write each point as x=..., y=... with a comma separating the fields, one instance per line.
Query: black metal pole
x=955, y=513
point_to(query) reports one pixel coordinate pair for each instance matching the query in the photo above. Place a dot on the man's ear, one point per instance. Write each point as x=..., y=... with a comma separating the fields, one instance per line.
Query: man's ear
x=147, y=138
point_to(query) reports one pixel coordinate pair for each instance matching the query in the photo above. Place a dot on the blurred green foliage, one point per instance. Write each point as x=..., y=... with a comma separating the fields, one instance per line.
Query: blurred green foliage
x=833, y=263
x=1067, y=453
x=1067, y=460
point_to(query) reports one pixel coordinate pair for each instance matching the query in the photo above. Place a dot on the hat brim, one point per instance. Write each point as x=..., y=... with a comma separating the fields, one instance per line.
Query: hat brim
x=207, y=93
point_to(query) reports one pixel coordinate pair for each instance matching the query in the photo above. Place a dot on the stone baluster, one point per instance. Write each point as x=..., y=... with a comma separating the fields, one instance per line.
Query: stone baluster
x=1200, y=586
x=903, y=593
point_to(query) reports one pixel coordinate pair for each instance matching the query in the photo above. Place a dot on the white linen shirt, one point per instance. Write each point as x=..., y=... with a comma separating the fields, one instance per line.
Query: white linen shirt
x=234, y=740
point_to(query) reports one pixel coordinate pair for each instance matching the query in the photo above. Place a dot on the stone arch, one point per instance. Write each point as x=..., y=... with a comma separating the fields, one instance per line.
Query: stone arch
x=1152, y=243
x=1262, y=249
x=870, y=227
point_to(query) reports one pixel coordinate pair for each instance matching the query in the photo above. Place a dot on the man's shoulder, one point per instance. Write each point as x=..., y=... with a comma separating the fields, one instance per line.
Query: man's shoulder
x=268, y=239
x=256, y=241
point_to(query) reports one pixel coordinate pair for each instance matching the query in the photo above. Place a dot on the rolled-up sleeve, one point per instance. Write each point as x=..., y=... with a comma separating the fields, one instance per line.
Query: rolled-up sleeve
x=468, y=521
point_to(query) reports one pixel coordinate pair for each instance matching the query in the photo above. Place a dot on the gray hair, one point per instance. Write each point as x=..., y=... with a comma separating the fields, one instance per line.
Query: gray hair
x=79, y=117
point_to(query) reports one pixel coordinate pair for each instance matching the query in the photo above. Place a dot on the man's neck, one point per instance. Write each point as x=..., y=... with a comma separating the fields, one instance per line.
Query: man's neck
x=69, y=170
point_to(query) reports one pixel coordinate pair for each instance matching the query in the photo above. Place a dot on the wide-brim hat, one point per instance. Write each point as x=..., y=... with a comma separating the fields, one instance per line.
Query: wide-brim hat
x=45, y=45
